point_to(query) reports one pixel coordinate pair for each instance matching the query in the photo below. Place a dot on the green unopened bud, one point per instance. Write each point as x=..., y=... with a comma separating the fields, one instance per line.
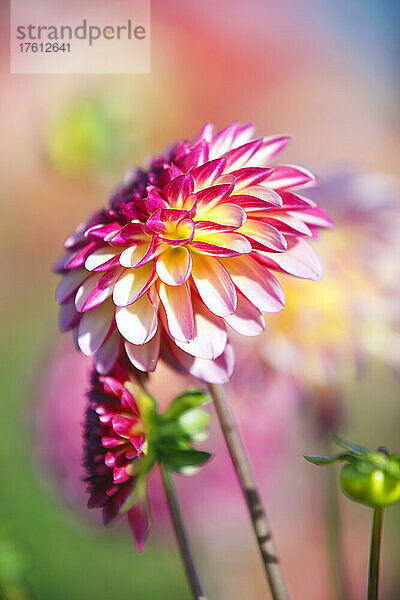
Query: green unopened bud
x=371, y=478
x=364, y=482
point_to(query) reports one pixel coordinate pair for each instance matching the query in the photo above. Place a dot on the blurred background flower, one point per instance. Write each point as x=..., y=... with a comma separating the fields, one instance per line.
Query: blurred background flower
x=326, y=72
x=326, y=336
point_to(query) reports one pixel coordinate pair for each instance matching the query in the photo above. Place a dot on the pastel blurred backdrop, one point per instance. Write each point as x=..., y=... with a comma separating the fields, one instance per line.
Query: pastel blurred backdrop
x=326, y=72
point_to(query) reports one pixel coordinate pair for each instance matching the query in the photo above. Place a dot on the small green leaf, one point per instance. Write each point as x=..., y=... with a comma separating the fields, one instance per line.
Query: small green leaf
x=193, y=421
x=348, y=445
x=184, y=402
x=177, y=459
x=328, y=460
x=187, y=425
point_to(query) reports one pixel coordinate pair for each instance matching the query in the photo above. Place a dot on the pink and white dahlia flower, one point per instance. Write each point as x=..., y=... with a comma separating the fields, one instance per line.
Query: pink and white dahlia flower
x=187, y=249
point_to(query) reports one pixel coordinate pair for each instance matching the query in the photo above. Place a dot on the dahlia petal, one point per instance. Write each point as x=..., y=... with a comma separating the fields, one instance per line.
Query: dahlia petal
x=86, y=289
x=270, y=147
x=112, y=386
x=111, y=442
x=123, y=424
x=120, y=475
x=128, y=402
x=97, y=499
x=299, y=260
x=76, y=238
x=179, y=311
x=107, y=266
x=220, y=244
x=214, y=285
x=174, y=266
x=178, y=189
x=239, y=157
x=243, y=134
x=316, y=217
x=144, y=357
x=102, y=232
x=197, y=155
x=260, y=192
x=99, y=257
x=133, y=255
x=289, y=176
x=226, y=214
x=78, y=259
x=264, y=236
x=132, y=284
x=70, y=282
x=68, y=316
x=293, y=201
x=154, y=200
x=132, y=233
x=289, y=224
x=250, y=176
x=221, y=142
x=181, y=234
x=137, y=323
x=214, y=195
x=210, y=336
x=157, y=222
x=155, y=248
x=101, y=291
x=218, y=370
x=251, y=204
x=110, y=510
x=205, y=175
x=247, y=319
x=59, y=265
x=137, y=441
x=256, y=283
x=206, y=133
x=107, y=354
x=94, y=327
x=139, y=524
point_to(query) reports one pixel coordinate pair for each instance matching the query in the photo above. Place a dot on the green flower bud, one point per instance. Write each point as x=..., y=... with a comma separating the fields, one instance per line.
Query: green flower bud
x=365, y=483
x=371, y=478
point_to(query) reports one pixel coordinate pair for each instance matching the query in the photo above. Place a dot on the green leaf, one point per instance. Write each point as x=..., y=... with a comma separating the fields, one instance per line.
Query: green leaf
x=193, y=421
x=186, y=425
x=184, y=402
x=328, y=460
x=348, y=445
x=178, y=459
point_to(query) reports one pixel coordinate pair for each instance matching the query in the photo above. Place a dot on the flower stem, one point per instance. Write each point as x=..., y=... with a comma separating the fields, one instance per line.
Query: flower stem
x=245, y=476
x=374, y=555
x=181, y=535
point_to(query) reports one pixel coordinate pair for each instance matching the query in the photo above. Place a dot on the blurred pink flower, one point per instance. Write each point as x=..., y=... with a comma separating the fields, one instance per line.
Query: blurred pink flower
x=186, y=249
x=327, y=332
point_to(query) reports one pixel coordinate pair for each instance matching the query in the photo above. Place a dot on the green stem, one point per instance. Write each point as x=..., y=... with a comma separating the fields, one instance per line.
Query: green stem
x=374, y=555
x=261, y=526
x=181, y=535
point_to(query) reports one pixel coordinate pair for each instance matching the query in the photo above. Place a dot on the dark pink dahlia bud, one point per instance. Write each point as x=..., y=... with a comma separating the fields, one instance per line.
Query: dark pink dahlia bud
x=187, y=251
x=114, y=451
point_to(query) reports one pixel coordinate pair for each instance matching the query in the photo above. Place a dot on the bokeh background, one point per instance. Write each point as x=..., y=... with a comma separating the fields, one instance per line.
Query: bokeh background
x=326, y=72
